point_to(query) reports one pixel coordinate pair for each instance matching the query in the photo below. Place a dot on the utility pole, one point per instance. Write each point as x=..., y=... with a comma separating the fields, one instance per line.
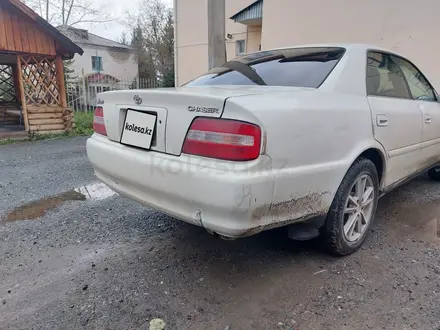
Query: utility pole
x=216, y=33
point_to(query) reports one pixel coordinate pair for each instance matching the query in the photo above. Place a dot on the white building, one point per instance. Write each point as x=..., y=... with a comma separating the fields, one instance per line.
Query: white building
x=105, y=64
x=102, y=55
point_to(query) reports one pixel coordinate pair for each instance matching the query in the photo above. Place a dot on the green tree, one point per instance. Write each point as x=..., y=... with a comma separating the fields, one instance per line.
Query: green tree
x=146, y=66
x=153, y=38
x=71, y=85
x=69, y=72
x=168, y=78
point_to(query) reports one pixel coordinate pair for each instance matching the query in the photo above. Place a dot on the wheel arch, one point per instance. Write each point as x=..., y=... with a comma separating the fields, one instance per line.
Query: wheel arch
x=377, y=156
x=373, y=152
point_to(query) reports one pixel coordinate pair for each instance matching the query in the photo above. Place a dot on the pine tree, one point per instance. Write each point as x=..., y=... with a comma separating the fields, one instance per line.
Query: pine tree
x=69, y=72
x=152, y=36
x=146, y=67
x=69, y=82
x=168, y=78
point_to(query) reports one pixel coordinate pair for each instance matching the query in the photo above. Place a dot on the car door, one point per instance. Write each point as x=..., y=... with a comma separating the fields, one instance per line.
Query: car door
x=396, y=118
x=425, y=96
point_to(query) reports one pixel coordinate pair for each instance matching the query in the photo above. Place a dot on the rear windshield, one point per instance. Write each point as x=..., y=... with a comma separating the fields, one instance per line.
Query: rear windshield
x=297, y=67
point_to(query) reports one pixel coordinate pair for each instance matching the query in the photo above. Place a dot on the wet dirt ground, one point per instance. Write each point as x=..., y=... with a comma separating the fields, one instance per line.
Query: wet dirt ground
x=87, y=258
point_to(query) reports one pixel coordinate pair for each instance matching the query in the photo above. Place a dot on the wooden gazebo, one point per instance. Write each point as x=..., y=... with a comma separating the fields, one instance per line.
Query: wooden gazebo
x=32, y=88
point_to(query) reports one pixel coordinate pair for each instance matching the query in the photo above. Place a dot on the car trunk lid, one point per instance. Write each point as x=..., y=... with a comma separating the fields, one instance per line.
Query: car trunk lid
x=174, y=110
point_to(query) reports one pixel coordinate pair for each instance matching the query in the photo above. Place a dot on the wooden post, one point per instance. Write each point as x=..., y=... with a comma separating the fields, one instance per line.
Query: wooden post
x=84, y=92
x=21, y=94
x=60, y=81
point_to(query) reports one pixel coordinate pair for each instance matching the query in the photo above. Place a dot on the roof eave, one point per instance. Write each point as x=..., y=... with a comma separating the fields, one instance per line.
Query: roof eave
x=85, y=44
x=68, y=44
x=251, y=12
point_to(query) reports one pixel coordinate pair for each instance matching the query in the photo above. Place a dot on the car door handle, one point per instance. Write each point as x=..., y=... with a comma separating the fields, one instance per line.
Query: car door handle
x=428, y=119
x=382, y=120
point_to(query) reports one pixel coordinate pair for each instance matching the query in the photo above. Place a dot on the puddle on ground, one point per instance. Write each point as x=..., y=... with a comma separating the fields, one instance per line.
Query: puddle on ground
x=34, y=210
x=420, y=220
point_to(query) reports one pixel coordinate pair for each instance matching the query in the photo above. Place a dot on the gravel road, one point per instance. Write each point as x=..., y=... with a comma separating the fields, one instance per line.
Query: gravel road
x=105, y=262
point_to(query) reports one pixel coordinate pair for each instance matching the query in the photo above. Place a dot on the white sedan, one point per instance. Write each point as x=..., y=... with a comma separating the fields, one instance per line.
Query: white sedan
x=311, y=135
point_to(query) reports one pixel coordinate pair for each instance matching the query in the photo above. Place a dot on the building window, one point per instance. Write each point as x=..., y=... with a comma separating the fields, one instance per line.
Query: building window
x=97, y=63
x=241, y=47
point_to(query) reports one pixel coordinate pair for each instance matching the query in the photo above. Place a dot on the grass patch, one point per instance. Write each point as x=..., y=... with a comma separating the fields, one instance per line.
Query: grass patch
x=39, y=137
x=83, y=123
x=7, y=141
x=83, y=127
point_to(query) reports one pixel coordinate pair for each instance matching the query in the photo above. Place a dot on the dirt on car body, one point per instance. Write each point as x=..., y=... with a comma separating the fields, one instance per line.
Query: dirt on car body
x=312, y=204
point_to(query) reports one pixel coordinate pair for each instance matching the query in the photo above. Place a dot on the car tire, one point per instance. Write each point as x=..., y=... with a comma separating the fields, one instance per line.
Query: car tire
x=434, y=173
x=341, y=234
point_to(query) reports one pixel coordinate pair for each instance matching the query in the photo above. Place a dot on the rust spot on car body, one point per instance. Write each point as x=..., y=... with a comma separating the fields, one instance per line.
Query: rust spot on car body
x=289, y=212
x=277, y=224
x=309, y=204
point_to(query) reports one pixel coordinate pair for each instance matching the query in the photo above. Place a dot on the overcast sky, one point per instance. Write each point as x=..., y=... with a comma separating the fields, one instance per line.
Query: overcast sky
x=117, y=8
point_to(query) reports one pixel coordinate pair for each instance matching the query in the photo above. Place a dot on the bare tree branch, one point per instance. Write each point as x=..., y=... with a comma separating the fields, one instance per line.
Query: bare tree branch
x=63, y=7
x=70, y=12
x=47, y=10
x=91, y=21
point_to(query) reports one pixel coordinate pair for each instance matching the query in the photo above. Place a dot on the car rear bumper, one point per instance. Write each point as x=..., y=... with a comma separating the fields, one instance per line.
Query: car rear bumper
x=223, y=197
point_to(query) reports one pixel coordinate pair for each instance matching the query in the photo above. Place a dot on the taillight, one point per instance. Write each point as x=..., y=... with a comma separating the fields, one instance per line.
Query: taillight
x=98, y=121
x=223, y=139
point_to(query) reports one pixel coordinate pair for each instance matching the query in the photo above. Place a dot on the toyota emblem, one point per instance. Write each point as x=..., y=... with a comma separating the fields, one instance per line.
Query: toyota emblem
x=137, y=99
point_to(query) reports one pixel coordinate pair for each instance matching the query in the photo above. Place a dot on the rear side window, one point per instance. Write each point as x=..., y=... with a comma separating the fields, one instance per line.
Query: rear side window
x=419, y=86
x=297, y=67
x=384, y=77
